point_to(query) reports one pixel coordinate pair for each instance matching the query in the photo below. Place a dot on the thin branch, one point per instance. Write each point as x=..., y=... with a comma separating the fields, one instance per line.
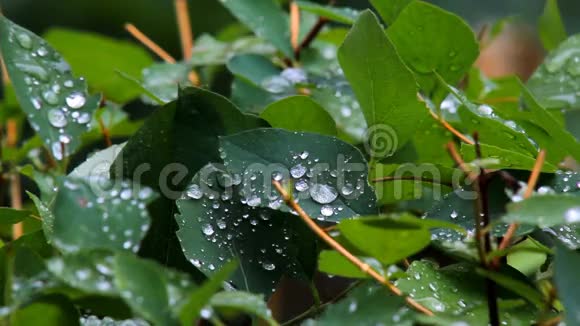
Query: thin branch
x=483, y=239
x=310, y=37
x=459, y=161
x=105, y=131
x=139, y=36
x=294, y=25
x=451, y=129
x=411, y=178
x=365, y=268
x=15, y=184
x=532, y=181
x=184, y=25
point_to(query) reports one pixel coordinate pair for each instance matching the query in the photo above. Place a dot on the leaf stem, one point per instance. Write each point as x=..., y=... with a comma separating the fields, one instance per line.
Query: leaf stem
x=105, y=131
x=147, y=42
x=449, y=127
x=15, y=184
x=365, y=268
x=532, y=181
x=294, y=25
x=184, y=25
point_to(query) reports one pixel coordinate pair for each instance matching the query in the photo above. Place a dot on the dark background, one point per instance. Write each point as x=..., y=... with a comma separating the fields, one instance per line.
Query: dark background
x=156, y=17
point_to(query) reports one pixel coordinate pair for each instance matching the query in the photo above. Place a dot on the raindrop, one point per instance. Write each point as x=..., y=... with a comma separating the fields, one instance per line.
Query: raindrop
x=194, y=192
x=207, y=229
x=347, y=189
x=42, y=51
x=254, y=201
x=125, y=194
x=572, y=215
x=277, y=176
x=294, y=75
x=145, y=193
x=68, y=83
x=276, y=84
x=24, y=40
x=57, y=118
x=50, y=97
x=84, y=118
x=323, y=194
x=76, y=100
x=326, y=210
x=268, y=266
x=301, y=185
x=304, y=155
x=298, y=171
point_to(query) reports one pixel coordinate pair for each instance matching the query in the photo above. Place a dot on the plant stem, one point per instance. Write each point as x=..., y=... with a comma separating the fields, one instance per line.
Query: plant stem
x=15, y=185
x=105, y=131
x=450, y=128
x=532, y=181
x=294, y=25
x=139, y=36
x=184, y=25
x=365, y=268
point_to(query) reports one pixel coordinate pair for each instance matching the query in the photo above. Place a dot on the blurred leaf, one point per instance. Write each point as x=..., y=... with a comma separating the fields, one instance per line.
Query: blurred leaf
x=93, y=213
x=545, y=211
x=330, y=176
x=144, y=288
x=209, y=51
x=199, y=297
x=164, y=80
x=371, y=63
x=52, y=310
x=555, y=82
x=299, y=113
x=390, y=9
x=252, y=68
x=57, y=105
x=551, y=27
x=244, y=302
x=521, y=288
x=566, y=264
x=266, y=19
x=13, y=216
x=96, y=57
x=430, y=39
x=341, y=15
x=217, y=225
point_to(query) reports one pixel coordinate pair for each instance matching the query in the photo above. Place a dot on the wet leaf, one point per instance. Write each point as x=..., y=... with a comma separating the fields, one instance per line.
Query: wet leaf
x=545, y=211
x=216, y=225
x=329, y=176
x=52, y=310
x=58, y=105
x=164, y=80
x=341, y=15
x=209, y=51
x=244, y=302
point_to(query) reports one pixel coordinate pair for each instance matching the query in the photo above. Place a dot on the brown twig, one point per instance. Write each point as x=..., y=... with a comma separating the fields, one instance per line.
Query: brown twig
x=15, y=185
x=310, y=37
x=105, y=131
x=532, y=181
x=294, y=25
x=459, y=161
x=450, y=128
x=365, y=268
x=184, y=25
x=139, y=36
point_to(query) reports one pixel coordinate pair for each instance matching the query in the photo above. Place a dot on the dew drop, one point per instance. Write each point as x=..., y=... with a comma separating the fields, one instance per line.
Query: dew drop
x=57, y=118
x=76, y=100
x=326, y=210
x=323, y=194
x=24, y=40
x=347, y=189
x=298, y=171
x=194, y=192
x=268, y=266
x=207, y=229
x=84, y=118
x=572, y=215
x=301, y=185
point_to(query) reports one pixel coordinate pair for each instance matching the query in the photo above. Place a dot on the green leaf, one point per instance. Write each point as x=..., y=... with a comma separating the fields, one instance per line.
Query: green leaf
x=341, y=15
x=299, y=113
x=566, y=265
x=93, y=213
x=216, y=225
x=97, y=57
x=527, y=256
x=390, y=9
x=555, y=82
x=384, y=86
x=12, y=216
x=253, y=68
x=199, y=297
x=551, y=27
x=52, y=310
x=333, y=263
x=369, y=304
x=329, y=176
x=545, y=211
x=91, y=272
x=143, y=288
x=430, y=39
x=244, y=302
x=163, y=80
x=503, y=158
x=266, y=19
x=389, y=240
x=209, y=51
x=58, y=105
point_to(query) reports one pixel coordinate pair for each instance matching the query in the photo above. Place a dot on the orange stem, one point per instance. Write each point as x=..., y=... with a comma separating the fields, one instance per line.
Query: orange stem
x=451, y=129
x=139, y=36
x=15, y=185
x=294, y=25
x=365, y=268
